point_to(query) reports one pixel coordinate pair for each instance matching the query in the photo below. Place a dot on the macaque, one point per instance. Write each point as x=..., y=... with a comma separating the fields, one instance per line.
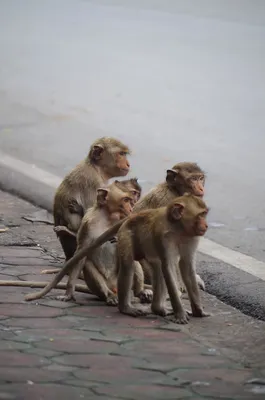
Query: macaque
x=160, y=236
x=113, y=204
x=130, y=185
x=184, y=177
x=107, y=158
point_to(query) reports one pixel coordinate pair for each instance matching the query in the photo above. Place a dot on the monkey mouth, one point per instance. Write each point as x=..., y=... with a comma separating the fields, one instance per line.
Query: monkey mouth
x=201, y=232
x=124, y=171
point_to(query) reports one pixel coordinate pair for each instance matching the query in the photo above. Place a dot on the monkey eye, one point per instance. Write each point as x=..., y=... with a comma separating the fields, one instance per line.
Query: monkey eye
x=123, y=153
x=126, y=199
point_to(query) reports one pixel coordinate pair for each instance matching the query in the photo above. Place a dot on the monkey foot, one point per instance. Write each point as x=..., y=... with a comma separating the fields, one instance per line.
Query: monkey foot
x=162, y=311
x=180, y=318
x=200, y=313
x=146, y=296
x=133, y=311
x=112, y=300
x=66, y=297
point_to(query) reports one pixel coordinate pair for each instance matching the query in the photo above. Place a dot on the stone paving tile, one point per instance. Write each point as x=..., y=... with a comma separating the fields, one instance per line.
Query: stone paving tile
x=88, y=350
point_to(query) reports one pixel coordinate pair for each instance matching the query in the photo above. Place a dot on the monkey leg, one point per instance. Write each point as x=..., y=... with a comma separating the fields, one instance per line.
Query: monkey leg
x=98, y=284
x=124, y=284
x=160, y=291
x=168, y=266
x=187, y=269
x=147, y=271
x=145, y=295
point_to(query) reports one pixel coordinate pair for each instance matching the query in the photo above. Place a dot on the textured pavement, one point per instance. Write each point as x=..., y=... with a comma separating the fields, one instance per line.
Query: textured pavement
x=88, y=350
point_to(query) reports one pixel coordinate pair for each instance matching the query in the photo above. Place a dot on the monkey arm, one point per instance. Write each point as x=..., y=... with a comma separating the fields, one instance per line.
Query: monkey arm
x=63, y=230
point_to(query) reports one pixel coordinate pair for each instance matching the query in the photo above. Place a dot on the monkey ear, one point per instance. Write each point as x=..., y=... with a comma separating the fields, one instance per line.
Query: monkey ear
x=177, y=211
x=96, y=152
x=171, y=175
x=102, y=196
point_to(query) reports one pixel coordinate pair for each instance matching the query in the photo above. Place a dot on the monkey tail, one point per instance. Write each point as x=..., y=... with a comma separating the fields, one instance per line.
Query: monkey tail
x=79, y=255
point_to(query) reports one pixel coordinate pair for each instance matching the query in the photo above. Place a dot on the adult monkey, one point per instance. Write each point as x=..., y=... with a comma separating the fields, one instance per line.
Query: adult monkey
x=107, y=158
x=184, y=177
x=160, y=236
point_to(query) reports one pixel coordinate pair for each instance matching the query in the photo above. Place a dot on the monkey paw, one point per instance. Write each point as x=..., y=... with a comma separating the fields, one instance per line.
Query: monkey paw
x=146, y=296
x=112, y=300
x=133, y=311
x=66, y=297
x=161, y=311
x=199, y=313
x=181, y=318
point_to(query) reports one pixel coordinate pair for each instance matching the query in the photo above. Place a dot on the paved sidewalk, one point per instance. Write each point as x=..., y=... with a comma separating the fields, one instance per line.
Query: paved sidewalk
x=89, y=351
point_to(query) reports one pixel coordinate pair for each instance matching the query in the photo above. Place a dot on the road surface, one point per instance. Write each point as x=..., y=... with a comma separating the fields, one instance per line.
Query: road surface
x=177, y=81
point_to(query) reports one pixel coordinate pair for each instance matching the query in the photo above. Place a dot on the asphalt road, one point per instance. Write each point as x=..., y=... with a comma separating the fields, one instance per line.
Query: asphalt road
x=175, y=80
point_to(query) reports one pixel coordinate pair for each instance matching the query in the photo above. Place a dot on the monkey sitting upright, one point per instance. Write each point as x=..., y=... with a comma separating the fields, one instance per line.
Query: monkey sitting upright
x=184, y=177
x=113, y=204
x=107, y=158
x=160, y=236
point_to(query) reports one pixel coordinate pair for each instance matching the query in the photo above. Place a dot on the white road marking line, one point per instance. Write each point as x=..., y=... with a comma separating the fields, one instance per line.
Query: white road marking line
x=30, y=170
x=206, y=246
x=232, y=257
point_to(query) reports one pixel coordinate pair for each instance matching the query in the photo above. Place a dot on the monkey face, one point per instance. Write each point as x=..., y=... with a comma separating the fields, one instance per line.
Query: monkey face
x=190, y=212
x=121, y=163
x=126, y=206
x=201, y=225
x=186, y=178
x=196, y=184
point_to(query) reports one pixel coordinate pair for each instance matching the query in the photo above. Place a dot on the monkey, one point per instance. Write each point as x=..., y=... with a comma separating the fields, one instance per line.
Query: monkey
x=130, y=184
x=159, y=236
x=107, y=158
x=184, y=177
x=112, y=205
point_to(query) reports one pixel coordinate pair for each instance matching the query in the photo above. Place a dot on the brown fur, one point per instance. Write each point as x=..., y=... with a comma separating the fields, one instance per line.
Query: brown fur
x=160, y=236
x=112, y=205
x=179, y=180
x=78, y=190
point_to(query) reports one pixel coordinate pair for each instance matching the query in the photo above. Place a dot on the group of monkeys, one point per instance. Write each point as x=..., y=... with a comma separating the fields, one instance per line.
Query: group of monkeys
x=129, y=249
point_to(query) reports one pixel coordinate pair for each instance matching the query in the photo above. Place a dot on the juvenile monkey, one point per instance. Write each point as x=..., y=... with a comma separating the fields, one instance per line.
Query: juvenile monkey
x=113, y=204
x=159, y=236
x=107, y=158
x=130, y=185
x=184, y=177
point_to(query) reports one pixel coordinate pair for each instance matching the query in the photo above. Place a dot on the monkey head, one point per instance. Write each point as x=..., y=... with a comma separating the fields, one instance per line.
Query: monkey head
x=132, y=185
x=117, y=203
x=110, y=155
x=190, y=212
x=186, y=177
